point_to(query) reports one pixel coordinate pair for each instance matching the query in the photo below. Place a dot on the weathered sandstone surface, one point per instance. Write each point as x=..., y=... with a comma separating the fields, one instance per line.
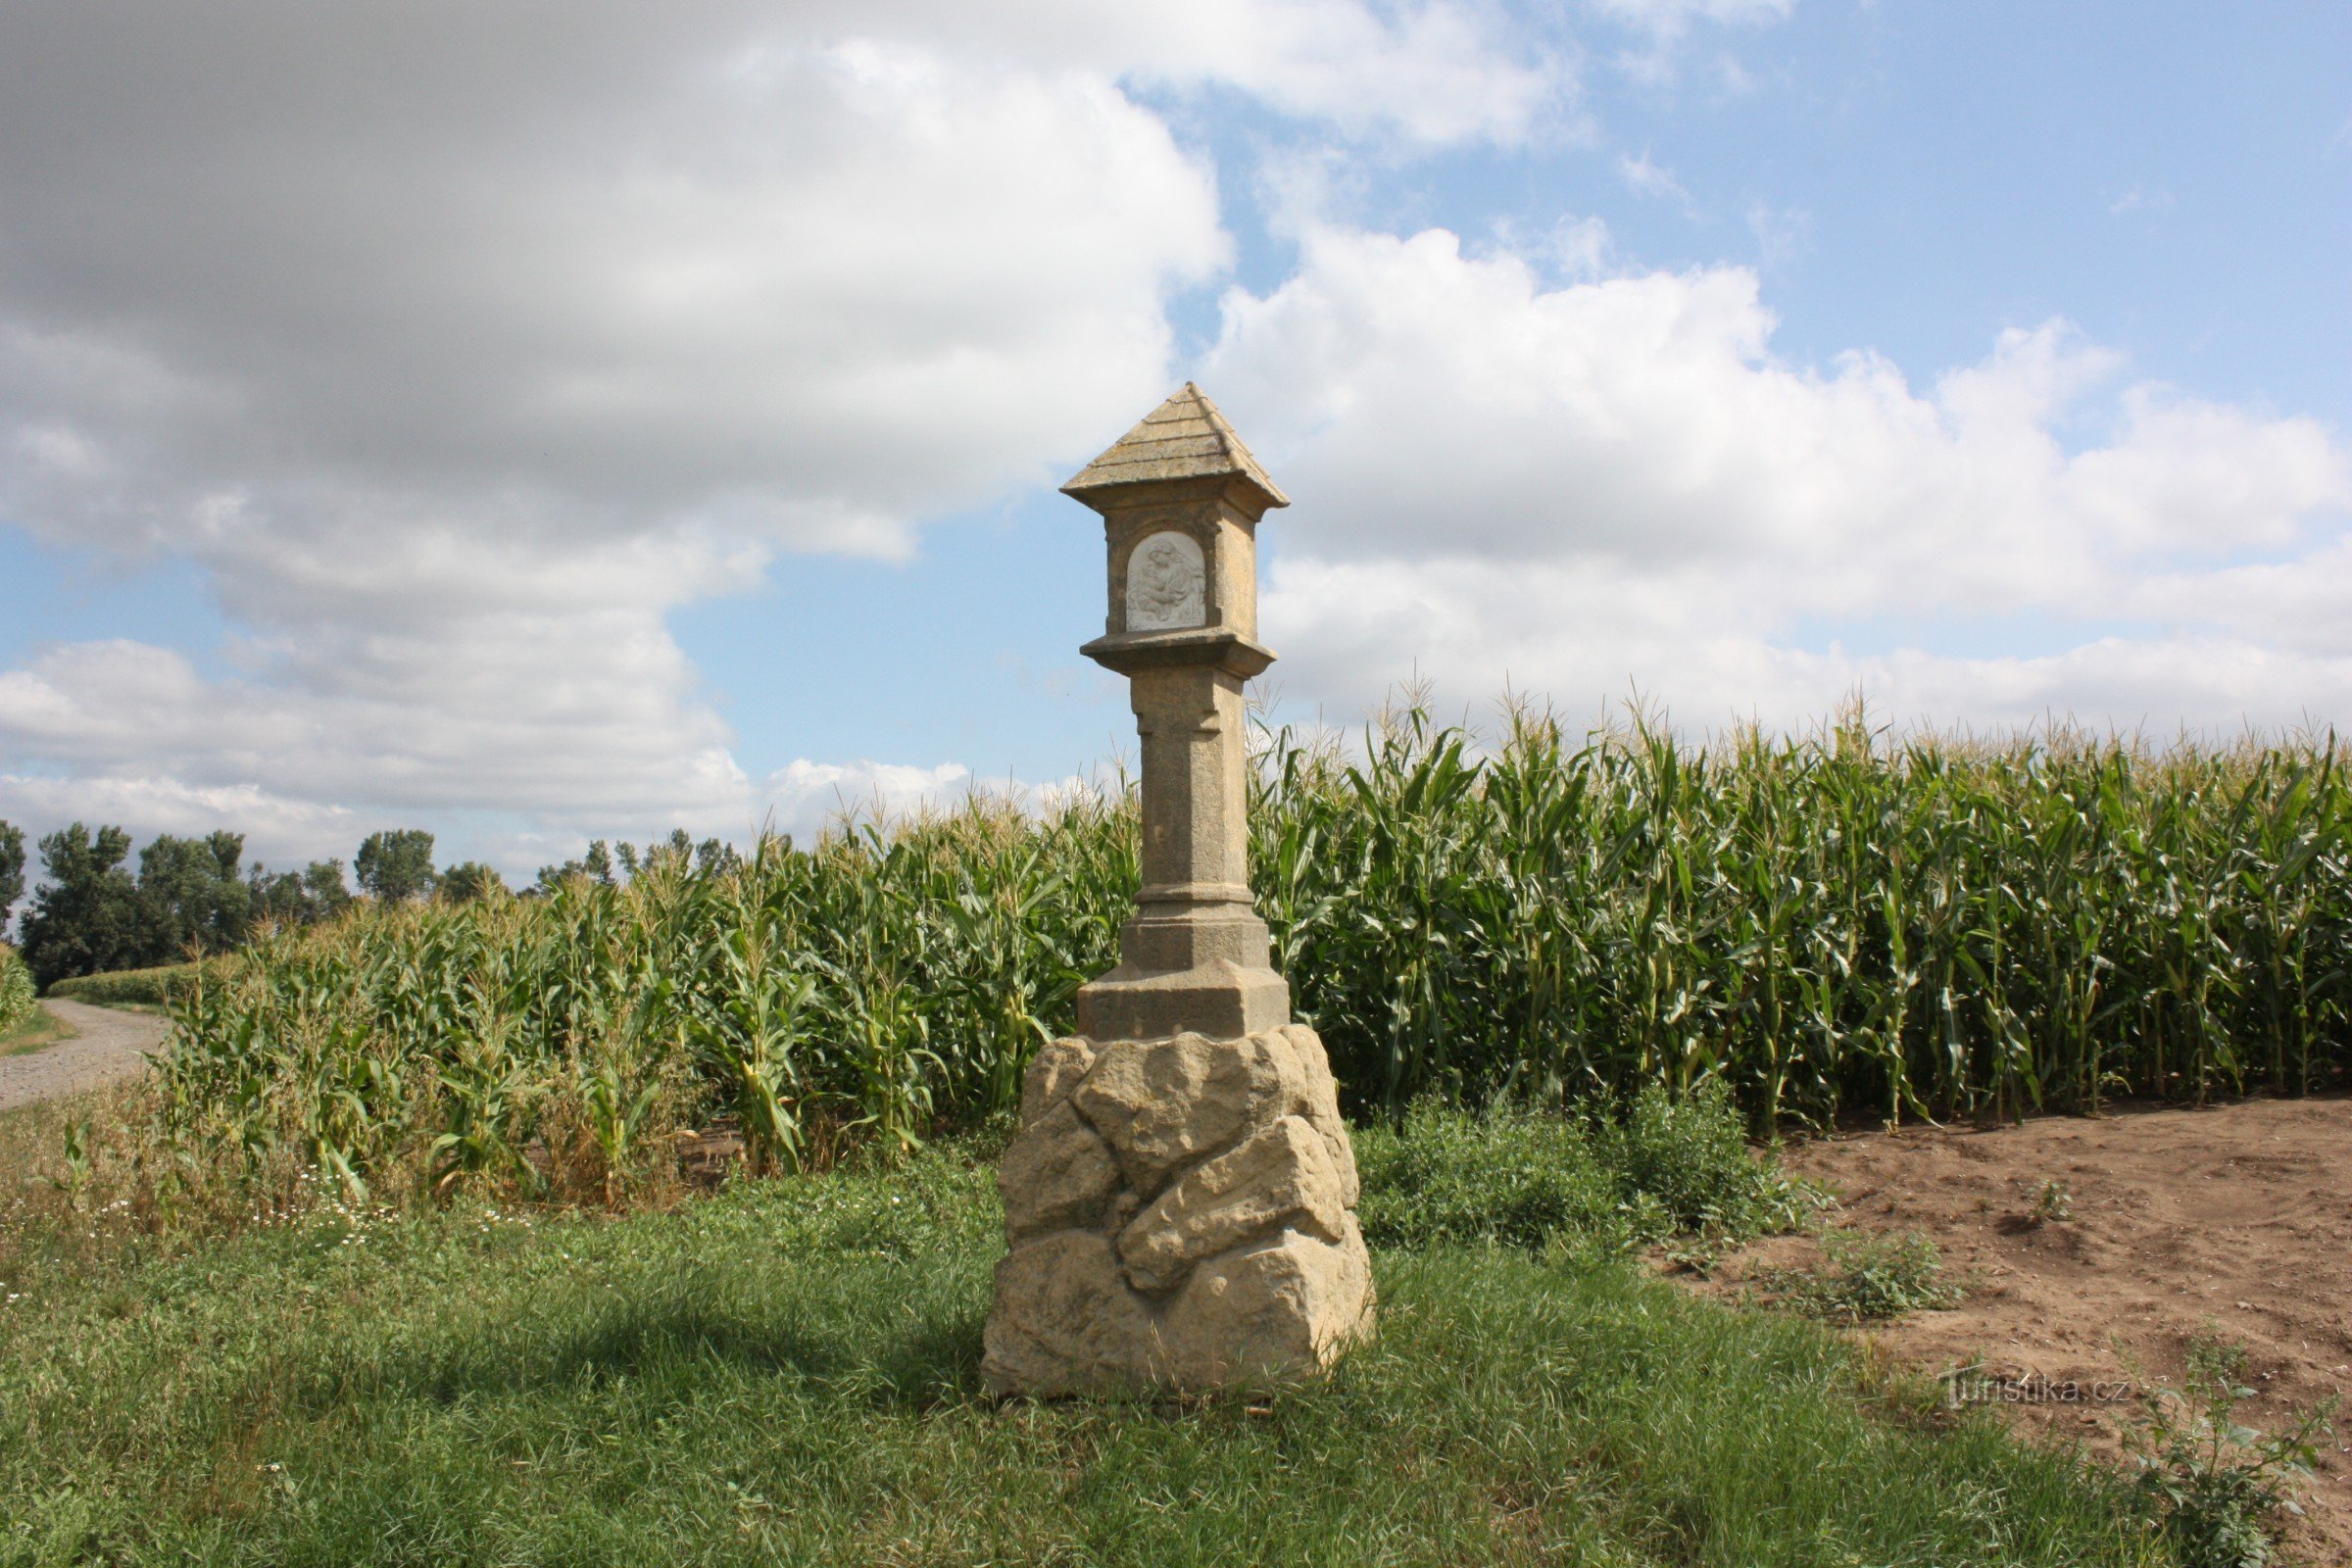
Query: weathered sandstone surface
x=1180, y=1213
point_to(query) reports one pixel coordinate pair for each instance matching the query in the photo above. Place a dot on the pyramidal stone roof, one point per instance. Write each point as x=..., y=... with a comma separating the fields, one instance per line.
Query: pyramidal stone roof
x=1183, y=438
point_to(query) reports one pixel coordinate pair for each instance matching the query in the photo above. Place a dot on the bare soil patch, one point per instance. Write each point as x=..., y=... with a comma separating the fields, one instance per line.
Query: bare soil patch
x=2233, y=1220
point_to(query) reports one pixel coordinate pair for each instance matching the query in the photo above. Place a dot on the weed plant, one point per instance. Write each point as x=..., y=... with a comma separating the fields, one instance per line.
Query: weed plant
x=1864, y=1279
x=2216, y=1484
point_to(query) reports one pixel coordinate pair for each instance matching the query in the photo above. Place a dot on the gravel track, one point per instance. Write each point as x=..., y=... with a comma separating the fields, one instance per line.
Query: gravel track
x=111, y=1044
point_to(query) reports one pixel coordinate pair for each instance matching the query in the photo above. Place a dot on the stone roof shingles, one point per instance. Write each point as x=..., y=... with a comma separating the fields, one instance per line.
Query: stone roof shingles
x=1183, y=438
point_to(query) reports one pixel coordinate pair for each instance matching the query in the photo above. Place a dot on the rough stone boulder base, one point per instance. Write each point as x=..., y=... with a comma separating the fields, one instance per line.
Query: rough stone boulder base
x=1164, y=1104
x=1282, y=1175
x=1052, y=1073
x=1057, y=1175
x=1320, y=1104
x=1272, y=1309
x=1064, y=1320
x=1179, y=1212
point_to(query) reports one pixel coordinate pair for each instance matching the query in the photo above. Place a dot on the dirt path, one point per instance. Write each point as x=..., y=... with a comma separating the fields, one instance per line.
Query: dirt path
x=2234, y=1221
x=111, y=1044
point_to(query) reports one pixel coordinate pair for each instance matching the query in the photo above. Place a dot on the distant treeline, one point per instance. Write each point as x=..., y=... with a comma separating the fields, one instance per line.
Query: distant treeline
x=192, y=897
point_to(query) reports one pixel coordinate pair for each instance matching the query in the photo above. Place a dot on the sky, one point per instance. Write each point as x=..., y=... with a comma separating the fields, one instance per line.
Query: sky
x=540, y=422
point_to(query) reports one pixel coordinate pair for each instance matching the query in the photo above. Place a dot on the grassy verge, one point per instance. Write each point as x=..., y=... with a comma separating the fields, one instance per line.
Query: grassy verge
x=787, y=1373
x=34, y=1031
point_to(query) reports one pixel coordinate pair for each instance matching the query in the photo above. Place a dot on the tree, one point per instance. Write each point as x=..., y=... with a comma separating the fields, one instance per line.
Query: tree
x=322, y=881
x=471, y=882
x=86, y=917
x=191, y=897
x=595, y=865
x=12, y=870
x=277, y=897
x=396, y=866
x=300, y=898
x=678, y=852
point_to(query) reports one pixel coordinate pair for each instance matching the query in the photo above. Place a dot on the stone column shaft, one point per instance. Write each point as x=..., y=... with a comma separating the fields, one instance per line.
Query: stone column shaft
x=1193, y=725
x=1195, y=957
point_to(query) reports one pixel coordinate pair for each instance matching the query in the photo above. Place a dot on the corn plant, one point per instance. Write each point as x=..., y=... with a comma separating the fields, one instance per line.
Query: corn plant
x=1844, y=922
x=16, y=994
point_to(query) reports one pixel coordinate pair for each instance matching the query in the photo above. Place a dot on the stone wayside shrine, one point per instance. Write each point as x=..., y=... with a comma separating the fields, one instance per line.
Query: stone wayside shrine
x=1180, y=1200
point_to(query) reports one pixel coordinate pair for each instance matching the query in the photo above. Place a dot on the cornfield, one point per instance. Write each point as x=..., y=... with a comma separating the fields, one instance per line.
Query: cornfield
x=16, y=989
x=1846, y=923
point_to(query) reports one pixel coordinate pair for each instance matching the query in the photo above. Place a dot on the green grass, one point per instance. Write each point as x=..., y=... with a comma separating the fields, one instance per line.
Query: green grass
x=788, y=1373
x=1594, y=1185
x=35, y=1031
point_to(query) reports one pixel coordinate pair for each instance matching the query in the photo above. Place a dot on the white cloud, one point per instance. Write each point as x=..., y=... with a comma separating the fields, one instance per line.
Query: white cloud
x=1432, y=72
x=1784, y=234
x=1581, y=488
x=2138, y=200
x=278, y=831
x=1734, y=80
x=460, y=351
x=806, y=797
x=1648, y=178
x=1662, y=25
x=745, y=303
x=1580, y=248
x=1676, y=16
x=1426, y=71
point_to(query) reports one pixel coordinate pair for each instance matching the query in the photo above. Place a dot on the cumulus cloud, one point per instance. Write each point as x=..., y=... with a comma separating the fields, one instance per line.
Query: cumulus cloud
x=804, y=796
x=462, y=345
x=1676, y=16
x=278, y=831
x=1648, y=178
x=717, y=288
x=1661, y=26
x=1577, y=490
x=1432, y=72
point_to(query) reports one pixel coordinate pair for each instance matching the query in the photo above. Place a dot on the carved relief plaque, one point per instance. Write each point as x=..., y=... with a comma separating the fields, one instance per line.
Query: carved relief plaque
x=1166, y=584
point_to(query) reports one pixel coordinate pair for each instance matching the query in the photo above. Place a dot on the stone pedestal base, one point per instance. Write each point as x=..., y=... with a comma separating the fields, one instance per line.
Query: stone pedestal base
x=1181, y=1215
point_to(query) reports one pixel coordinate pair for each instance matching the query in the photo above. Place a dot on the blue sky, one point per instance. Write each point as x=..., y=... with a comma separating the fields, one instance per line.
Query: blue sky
x=407, y=420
